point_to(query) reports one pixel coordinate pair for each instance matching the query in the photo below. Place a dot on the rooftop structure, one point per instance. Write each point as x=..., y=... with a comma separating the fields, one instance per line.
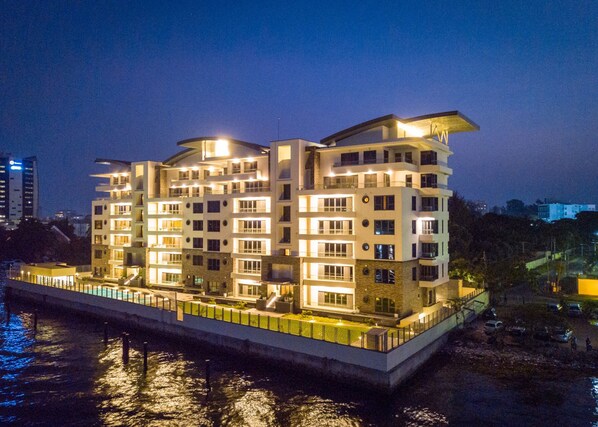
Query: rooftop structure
x=355, y=223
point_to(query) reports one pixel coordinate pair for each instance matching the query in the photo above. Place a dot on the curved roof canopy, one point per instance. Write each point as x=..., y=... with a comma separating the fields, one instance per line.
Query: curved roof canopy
x=193, y=145
x=423, y=126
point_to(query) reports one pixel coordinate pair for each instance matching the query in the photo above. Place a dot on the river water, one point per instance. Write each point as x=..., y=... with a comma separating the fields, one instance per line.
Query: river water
x=63, y=374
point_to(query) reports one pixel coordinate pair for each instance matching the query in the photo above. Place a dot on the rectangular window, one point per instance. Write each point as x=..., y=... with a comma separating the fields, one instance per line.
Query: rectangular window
x=236, y=187
x=414, y=250
x=286, y=192
x=384, y=251
x=97, y=224
x=248, y=206
x=398, y=157
x=414, y=226
x=214, y=245
x=194, y=191
x=214, y=225
x=384, y=203
x=344, y=181
x=335, y=299
x=197, y=260
x=251, y=246
x=286, y=235
x=336, y=272
x=97, y=254
x=213, y=264
x=183, y=175
x=429, y=180
x=348, y=159
x=429, y=250
x=251, y=226
x=97, y=240
x=429, y=204
x=430, y=226
x=333, y=249
x=236, y=167
x=429, y=158
x=254, y=186
x=385, y=276
x=197, y=208
x=413, y=203
x=250, y=166
x=338, y=204
x=197, y=225
x=414, y=274
x=197, y=243
x=97, y=210
x=385, y=305
x=386, y=226
x=250, y=266
x=370, y=180
x=369, y=157
x=409, y=157
x=286, y=214
x=214, y=206
x=195, y=174
x=429, y=273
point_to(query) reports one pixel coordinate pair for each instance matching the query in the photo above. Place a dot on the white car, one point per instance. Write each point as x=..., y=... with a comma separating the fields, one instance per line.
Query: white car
x=492, y=326
x=561, y=334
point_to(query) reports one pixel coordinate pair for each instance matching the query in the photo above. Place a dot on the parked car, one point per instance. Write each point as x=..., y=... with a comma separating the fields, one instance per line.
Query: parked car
x=492, y=326
x=561, y=334
x=554, y=307
x=542, y=334
x=489, y=314
x=517, y=329
x=574, y=310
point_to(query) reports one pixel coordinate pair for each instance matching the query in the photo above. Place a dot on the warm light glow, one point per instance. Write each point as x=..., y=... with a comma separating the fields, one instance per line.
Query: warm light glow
x=410, y=130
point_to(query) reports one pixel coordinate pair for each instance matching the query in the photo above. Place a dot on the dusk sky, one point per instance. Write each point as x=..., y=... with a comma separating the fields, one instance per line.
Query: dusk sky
x=127, y=80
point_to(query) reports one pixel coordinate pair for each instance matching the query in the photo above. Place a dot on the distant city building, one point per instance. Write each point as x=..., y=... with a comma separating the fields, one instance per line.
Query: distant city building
x=356, y=222
x=550, y=212
x=65, y=214
x=79, y=222
x=477, y=206
x=19, y=197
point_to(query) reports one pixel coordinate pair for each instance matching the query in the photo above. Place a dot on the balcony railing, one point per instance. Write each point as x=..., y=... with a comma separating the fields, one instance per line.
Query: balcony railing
x=428, y=277
x=251, y=230
x=350, y=185
x=362, y=162
x=253, y=210
x=429, y=255
x=327, y=232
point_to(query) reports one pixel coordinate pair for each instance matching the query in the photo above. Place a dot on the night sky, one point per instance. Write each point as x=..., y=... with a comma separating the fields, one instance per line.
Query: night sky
x=127, y=80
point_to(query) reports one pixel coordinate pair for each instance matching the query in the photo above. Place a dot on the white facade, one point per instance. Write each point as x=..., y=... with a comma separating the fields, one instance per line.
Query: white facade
x=355, y=223
x=550, y=212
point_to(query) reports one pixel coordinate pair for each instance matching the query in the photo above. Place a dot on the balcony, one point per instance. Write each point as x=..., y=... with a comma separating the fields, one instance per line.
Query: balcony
x=250, y=231
x=429, y=255
x=428, y=277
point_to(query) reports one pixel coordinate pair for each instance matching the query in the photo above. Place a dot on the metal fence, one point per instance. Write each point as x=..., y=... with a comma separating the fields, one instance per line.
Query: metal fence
x=338, y=333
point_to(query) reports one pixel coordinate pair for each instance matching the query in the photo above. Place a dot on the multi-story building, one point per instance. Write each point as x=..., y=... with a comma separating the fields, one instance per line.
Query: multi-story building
x=551, y=212
x=356, y=222
x=19, y=196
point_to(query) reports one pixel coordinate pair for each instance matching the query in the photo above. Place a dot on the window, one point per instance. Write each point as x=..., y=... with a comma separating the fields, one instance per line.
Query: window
x=97, y=224
x=384, y=251
x=430, y=226
x=429, y=273
x=97, y=240
x=247, y=205
x=250, y=166
x=413, y=203
x=369, y=157
x=236, y=167
x=333, y=298
x=414, y=274
x=197, y=260
x=286, y=235
x=254, y=186
x=197, y=225
x=429, y=158
x=348, y=159
x=370, y=180
x=384, y=203
x=338, y=204
x=236, y=187
x=213, y=206
x=213, y=264
x=385, y=276
x=398, y=157
x=251, y=246
x=97, y=210
x=197, y=208
x=249, y=290
x=170, y=277
x=409, y=157
x=195, y=174
x=250, y=266
x=384, y=227
x=429, y=204
x=429, y=180
x=197, y=243
x=429, y=250
x=286, y=192
x=385, y=305
x=194, y=191
x=333, y=249
x=286, y=214
x=214, y=225
x=214, y=245
x=344, y=181
x=409, y=181
x=251, y=226
x=183, y=175
x=97, y=254
x=414, y=250
x=414, y=226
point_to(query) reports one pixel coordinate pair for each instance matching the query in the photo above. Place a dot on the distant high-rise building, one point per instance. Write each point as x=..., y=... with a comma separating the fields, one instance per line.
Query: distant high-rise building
x=19, y=196
x=550, y=212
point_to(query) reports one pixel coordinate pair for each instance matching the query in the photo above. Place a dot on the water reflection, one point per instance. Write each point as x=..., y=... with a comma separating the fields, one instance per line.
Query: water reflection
x=63, y=374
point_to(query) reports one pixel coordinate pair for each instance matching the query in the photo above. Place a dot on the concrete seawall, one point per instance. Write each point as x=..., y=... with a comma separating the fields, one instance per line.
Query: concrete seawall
x=367, y=368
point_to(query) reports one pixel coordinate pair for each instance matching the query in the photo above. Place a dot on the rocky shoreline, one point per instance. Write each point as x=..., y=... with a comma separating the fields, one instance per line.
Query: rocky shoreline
x=521, y=358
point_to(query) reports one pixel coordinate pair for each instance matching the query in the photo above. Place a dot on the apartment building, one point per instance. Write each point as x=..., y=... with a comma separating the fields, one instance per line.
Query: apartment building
x=551, y=212
x=357, y=222
x=19, y=194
